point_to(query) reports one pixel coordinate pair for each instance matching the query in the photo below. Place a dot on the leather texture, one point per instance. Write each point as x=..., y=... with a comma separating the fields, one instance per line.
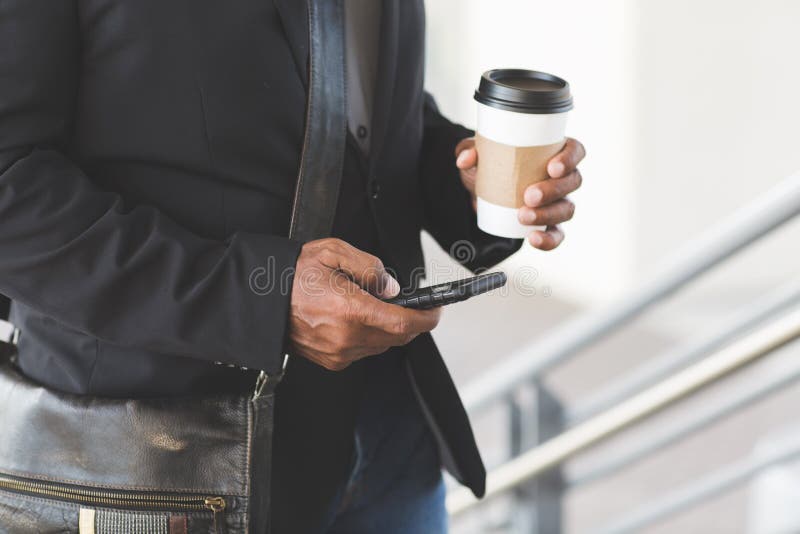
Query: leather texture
x=178, y=524
x=198, y=445
x=192, y=445
x=326, y=124
x=261, y=460
x=20, y=514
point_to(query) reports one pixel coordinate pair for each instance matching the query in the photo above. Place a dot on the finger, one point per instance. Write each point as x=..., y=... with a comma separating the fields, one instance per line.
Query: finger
x=331, y=362
x=364, y=269
x=469, y=178
x=548, y=239
x=347, y=338
x=552, y=214
x=467, y=159
x=397, y=322
x=567, y=160
x=464, y=144
x=552, y=190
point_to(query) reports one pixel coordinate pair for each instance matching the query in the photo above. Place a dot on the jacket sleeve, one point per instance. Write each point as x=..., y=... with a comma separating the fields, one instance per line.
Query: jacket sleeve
x=125, y=274
x=448, y=212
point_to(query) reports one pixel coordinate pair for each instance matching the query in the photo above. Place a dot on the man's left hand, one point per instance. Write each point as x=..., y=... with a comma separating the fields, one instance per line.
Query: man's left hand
x=545, y=202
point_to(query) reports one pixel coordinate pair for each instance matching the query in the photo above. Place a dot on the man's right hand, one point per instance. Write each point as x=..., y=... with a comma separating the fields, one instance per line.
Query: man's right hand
x=336, y=316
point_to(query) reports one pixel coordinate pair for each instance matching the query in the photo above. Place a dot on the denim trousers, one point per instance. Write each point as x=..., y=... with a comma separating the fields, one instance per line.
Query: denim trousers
x=395, y=484
x=396, y=488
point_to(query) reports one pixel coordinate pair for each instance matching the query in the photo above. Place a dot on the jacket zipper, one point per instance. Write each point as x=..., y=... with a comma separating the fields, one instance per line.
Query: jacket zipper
x=119, y=499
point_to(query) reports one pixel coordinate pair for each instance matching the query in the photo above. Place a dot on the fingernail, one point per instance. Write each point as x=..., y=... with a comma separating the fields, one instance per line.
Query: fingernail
x=391, y=287
x=526, y=216
x=533, y=196
x=536, y=239
x=461, y=160
x=555, y=169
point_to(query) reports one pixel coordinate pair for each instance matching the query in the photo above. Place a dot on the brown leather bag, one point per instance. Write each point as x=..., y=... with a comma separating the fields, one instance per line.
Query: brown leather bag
x=72, y=463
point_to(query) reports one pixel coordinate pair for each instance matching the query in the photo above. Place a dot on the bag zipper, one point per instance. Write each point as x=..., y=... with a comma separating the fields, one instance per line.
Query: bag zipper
x=119, y=499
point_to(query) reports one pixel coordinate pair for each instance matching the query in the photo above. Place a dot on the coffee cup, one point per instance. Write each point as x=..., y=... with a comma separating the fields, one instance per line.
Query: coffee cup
x=522, y=118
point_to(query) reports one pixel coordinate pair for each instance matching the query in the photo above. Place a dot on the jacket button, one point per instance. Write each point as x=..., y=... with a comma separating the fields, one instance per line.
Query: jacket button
x=375, y=190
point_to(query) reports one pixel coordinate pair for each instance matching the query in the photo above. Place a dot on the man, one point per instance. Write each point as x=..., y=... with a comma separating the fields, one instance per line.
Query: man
x=148, y=156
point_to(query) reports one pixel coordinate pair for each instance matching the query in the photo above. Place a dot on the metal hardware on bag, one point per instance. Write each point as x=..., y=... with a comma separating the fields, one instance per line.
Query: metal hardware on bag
x=261, y=381
x=217, y=505
x=264, y=379
x=104, y=498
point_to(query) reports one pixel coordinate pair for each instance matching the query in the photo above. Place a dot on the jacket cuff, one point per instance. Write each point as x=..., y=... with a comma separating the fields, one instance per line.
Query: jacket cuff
x=267, y=270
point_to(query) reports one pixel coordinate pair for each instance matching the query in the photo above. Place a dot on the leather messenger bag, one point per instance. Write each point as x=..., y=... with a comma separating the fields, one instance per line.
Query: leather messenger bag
x=169, y=466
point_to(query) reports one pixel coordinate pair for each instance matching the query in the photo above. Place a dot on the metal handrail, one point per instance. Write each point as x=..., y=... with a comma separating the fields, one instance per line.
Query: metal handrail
x=745, y=226
x=685, y=427
x=554, y=452
x=719, y=335
x=703, y=489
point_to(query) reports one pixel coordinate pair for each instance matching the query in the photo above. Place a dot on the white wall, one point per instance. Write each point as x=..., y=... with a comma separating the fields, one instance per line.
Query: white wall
x=687, y=108
x=466, y=38
x=717, y=122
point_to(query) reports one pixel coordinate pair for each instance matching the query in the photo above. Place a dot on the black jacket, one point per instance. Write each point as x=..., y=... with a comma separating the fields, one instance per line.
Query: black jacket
x=148, y=154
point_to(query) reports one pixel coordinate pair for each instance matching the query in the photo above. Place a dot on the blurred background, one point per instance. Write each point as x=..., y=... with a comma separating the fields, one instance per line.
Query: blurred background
x=689, y=112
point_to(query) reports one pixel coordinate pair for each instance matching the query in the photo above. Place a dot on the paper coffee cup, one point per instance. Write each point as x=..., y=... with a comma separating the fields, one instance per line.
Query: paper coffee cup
x=522, y=119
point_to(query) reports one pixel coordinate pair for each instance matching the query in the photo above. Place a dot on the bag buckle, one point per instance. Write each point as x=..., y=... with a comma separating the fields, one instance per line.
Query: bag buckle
x=265, y=379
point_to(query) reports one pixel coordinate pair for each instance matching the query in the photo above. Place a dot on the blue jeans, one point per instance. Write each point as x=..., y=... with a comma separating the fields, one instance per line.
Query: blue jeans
x=395, y=484
x=389, y=497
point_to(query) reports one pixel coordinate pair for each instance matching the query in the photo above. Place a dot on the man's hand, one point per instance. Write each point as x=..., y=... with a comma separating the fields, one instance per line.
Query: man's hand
x=545, y=202
x=335, y=317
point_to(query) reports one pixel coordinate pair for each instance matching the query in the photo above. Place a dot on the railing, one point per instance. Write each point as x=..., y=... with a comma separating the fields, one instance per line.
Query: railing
x=703, y=489
x=584, y=435
x=661, y=383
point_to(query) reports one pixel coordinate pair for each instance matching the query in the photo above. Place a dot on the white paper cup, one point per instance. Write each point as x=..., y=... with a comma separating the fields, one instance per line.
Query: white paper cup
x=522, y=118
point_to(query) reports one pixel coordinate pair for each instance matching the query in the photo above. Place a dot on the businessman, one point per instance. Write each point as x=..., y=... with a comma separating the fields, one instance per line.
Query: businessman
x=148, y=158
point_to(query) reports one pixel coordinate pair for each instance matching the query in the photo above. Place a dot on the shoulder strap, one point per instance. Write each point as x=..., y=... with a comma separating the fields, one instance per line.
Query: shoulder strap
x=322, y=159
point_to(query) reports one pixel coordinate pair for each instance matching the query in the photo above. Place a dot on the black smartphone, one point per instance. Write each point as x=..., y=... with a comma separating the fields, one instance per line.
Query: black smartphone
x=444, y=294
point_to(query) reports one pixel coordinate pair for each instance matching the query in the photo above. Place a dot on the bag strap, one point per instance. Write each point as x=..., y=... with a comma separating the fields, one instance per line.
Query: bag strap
x=322, y=160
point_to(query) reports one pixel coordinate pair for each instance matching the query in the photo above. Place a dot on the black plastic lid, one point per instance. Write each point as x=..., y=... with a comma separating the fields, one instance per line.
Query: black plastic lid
x=524, y=91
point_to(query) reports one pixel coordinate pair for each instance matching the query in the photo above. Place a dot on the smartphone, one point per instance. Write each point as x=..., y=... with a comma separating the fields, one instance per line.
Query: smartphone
x=443, y=294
